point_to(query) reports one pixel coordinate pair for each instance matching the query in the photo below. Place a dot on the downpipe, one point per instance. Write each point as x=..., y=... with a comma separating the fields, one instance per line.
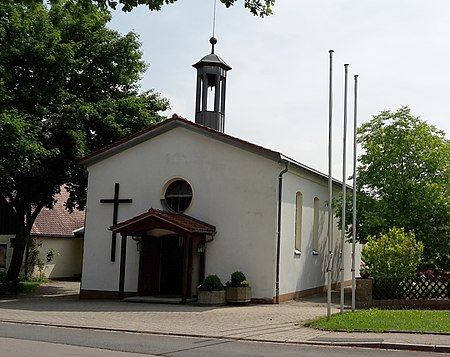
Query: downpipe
x=280, y=195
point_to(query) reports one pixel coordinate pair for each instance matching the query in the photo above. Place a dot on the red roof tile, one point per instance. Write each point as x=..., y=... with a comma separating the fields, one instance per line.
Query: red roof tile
x=58, y=222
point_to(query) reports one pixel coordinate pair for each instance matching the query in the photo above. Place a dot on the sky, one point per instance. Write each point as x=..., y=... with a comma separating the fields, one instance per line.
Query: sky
x=278, y=88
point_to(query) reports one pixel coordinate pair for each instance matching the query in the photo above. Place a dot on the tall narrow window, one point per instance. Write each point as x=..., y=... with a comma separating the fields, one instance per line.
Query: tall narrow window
x=298, y=220
x=316, y=225
x=210, y=103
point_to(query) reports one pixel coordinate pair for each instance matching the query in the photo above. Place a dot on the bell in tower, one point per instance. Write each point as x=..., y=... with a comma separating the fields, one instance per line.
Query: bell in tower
x=211, y=87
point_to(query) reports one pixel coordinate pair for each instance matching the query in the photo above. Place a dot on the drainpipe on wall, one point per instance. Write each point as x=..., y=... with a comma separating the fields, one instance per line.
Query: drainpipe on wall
x=280, y=194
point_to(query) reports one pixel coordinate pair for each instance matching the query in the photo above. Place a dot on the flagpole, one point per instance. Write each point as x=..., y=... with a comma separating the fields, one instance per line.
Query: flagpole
x=355, y=121
x=344, y=188
x=330, y=187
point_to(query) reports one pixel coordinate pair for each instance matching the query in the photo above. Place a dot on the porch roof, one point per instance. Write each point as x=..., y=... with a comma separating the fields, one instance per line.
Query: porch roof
x=155, y=218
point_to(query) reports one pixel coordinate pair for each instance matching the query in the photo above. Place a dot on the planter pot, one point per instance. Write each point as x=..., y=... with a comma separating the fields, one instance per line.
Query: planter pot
x=238, y=294
x=211, y=298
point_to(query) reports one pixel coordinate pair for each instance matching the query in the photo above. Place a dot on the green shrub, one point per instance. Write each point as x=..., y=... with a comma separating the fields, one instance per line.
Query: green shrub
x=238, y=279
x=28, y=286
x=395, y=254
x=211, y=283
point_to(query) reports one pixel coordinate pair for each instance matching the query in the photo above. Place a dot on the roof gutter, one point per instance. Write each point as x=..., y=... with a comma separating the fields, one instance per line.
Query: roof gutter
x=280, y=195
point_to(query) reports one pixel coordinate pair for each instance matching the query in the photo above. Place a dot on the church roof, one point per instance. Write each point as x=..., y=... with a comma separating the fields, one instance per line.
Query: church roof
x=178, y=121
x=155, y=218
x=169, y=124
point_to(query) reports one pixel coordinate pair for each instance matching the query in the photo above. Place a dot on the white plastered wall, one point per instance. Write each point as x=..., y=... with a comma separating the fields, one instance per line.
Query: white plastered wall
x=233, y=189
x=65, y=265
x=66, y=262
x=6, y=239
x=306, y=269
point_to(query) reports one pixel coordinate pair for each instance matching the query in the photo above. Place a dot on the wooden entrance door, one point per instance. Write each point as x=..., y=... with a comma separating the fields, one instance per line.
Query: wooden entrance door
x=161, y=266
x=149, y=272
x=171, y=266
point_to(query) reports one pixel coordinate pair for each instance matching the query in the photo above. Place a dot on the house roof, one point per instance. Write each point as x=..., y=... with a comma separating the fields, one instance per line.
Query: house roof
x=178, y=121
x=155, y=218
x=58, y=222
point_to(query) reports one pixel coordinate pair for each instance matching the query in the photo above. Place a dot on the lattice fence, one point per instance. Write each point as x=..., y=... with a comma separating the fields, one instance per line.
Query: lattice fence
x=418, y=289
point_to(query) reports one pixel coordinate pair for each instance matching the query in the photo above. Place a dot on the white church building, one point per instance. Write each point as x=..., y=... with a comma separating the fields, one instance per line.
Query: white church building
x=180, y=200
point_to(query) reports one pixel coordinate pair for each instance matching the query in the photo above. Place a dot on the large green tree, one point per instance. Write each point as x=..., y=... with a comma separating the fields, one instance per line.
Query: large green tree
x=256, y=7
x=68, y=86
x=403, y=180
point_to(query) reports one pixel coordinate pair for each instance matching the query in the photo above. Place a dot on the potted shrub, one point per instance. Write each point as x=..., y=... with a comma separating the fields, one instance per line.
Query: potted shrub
x=211, y=291
x=238, y=289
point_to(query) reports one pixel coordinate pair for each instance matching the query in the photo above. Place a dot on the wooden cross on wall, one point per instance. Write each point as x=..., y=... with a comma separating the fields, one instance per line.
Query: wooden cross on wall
x=116, y=200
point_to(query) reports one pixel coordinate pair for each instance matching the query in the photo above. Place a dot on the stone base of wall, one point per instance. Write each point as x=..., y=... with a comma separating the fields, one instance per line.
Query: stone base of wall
x=103, y=294
x=262, y=300
x=299, y=294
x=363, y=293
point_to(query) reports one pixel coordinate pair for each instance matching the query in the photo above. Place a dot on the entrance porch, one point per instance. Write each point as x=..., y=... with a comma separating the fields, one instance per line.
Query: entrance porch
x=171, y=247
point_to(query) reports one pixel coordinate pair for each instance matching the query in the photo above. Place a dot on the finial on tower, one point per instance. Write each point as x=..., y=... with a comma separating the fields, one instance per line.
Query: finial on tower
x=212, y=41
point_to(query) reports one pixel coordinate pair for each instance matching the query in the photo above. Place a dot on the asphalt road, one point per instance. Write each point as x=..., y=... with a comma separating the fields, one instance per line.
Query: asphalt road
x=38, y=341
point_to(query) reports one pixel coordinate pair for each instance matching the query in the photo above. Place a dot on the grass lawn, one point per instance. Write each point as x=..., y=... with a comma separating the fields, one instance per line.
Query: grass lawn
x=387, y=320
x=28, y=286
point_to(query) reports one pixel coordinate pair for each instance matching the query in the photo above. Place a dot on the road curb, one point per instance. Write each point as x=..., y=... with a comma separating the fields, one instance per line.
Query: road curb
x=360, y=344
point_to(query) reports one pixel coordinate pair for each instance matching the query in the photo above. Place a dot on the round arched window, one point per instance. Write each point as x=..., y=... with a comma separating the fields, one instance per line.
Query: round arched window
x=178, y=196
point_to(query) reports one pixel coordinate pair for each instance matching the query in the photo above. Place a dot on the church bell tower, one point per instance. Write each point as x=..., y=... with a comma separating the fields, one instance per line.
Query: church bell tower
x=211, y=88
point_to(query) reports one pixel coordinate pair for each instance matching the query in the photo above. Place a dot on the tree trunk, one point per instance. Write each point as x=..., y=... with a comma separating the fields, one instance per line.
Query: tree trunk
x=24, y=223
x=12, y=276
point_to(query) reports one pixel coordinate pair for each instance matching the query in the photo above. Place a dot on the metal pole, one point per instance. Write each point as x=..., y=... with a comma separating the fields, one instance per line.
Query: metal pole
x=355, y=120
x=330, y=187
x=344, y=188
x=214, y=19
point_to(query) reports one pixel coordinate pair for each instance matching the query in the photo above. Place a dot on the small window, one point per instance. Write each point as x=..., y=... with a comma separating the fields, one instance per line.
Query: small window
x=298, y=220
x=178, y=196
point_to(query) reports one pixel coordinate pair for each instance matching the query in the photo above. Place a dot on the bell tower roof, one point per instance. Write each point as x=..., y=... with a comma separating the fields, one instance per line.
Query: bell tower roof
x=212, y=59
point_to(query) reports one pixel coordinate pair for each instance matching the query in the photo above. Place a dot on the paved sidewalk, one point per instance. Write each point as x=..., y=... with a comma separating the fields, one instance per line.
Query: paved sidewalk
x=58, y=304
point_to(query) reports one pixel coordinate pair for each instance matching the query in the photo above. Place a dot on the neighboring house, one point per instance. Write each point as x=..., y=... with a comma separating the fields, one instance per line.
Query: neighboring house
x=195, y=201
x=57, y=233
x=6, y=236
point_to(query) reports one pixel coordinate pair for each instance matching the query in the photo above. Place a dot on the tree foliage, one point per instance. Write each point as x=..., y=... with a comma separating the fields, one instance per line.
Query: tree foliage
x=68, y=86
x=395, y=254
x=260, y=8
x=403, y=180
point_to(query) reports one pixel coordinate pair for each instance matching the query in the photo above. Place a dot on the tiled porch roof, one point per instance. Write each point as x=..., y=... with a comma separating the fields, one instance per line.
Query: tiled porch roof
x=155, y=218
